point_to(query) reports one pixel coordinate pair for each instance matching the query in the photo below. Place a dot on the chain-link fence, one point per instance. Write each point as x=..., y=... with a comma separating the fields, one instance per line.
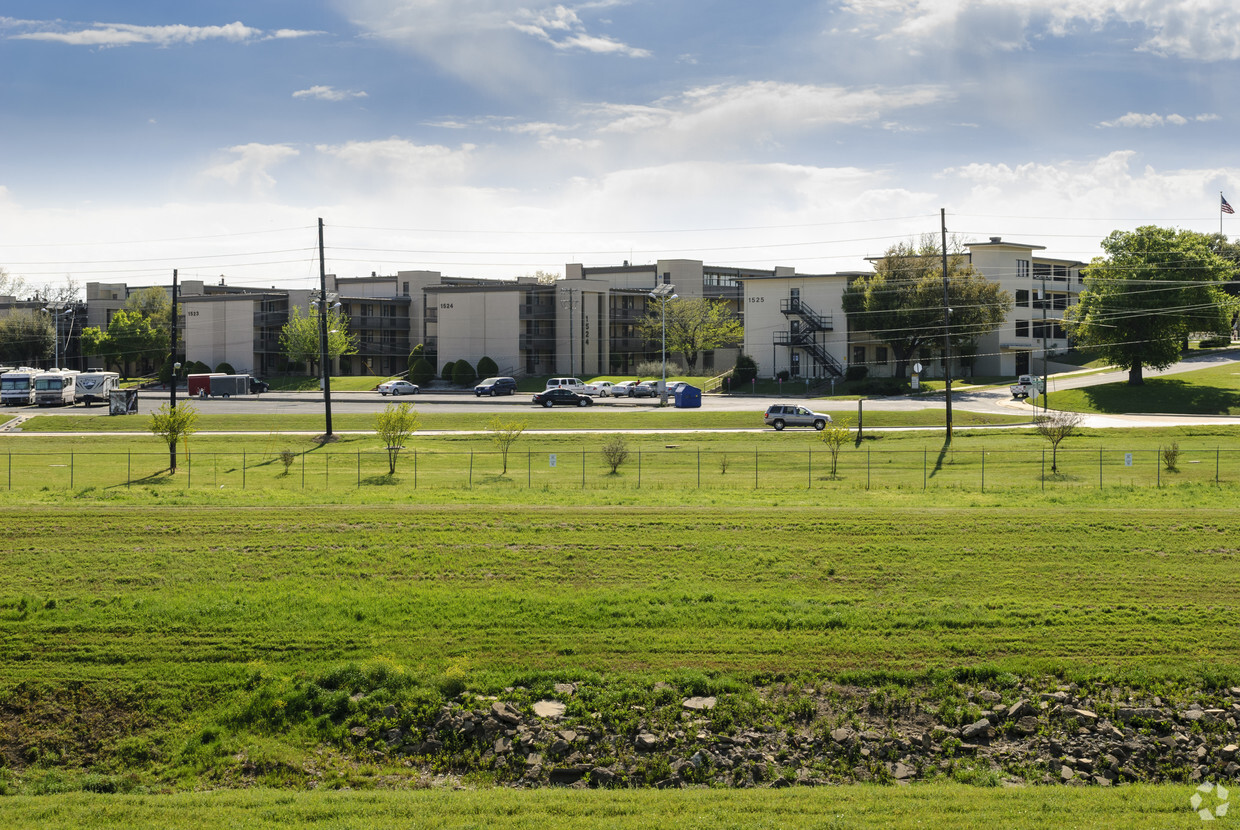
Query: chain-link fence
x=860, y=468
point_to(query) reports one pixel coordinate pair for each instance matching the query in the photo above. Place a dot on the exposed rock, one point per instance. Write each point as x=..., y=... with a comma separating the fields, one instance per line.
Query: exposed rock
x=645, y=742
x=699, y=704
x=506, y=713
x=978, y=731
x=552, y=709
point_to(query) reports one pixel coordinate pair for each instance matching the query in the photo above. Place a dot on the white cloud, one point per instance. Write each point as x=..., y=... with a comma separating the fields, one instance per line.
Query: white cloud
x=124, y=34
x=1207, y=30
x=768, y=108
x=1153, y=119
x=397, y=160
x=551, y=26
x=251, y=165
x=328, y=93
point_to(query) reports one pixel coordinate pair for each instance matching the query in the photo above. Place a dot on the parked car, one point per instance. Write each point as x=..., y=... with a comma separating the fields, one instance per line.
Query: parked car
x=646, y=389
x=571, y=384
x=398, y=387
x=599, y=388
x=792, y=415
x=673, y=388
x=623, y=389
x=562, y=397
x=496, y=386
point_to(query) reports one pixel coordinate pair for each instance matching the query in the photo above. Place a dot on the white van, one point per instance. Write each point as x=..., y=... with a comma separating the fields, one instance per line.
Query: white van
x=571, y=384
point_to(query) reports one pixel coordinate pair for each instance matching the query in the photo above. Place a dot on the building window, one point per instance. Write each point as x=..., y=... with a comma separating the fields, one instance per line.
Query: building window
x=1022, y=268
x=1022, y=328
x=1061, y=273
x=858, y=357
x=880, y=355
x=1022, y=298
x=1041, y=329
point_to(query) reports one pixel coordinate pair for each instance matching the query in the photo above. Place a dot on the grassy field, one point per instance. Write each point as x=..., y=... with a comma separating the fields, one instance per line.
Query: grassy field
x=944, y=807
x=1214, y=391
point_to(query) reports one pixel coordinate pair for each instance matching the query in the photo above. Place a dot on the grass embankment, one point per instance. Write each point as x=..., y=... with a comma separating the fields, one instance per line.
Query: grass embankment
x=945, y=807
x=1213, y=391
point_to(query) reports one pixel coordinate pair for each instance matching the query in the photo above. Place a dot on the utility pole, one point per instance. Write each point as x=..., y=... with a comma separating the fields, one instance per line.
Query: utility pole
x=327, y=375
x=947, y=334
x=172, y=360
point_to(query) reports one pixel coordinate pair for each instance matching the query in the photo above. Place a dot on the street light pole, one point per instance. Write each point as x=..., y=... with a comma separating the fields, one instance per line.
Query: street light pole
x=663, y=293
x=327, y=379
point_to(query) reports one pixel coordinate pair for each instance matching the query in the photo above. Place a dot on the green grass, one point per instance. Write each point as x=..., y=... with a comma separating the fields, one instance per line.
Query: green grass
x=944, y=806
x=596, y=418
x=1213, y=391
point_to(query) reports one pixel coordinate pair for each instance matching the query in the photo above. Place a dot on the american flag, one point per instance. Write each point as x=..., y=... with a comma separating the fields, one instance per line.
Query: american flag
x=1226, y=208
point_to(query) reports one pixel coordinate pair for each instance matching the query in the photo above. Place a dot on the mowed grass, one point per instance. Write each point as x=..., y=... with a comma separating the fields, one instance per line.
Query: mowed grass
x=1213, y=391
x=200, y=594
x=942, y=806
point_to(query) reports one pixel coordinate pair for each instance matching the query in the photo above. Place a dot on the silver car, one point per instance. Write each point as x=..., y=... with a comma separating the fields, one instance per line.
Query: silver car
x=782, y=415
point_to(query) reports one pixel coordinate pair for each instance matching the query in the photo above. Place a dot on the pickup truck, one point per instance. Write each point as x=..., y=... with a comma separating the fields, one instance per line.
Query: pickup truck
x=1026, y=386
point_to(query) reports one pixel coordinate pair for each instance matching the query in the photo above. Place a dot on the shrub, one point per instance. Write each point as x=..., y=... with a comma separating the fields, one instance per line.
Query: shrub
x=463, y=374
x=615, y=452
x=198, y=368
x=421, y=372
x=1171, y=455
x=487, y=367
x=1216, y=342
x=654, y=368
x=783, y=375
x=448, y=369
x=745, y=370
x=856, y=372
x=226, y=368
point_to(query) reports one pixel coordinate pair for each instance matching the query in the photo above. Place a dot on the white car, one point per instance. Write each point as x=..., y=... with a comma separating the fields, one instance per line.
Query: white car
x=599, y=388
x=398, y=387
x=646, y=389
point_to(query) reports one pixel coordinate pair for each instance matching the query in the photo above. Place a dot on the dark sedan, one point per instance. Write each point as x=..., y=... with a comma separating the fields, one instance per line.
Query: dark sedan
x=562, y=397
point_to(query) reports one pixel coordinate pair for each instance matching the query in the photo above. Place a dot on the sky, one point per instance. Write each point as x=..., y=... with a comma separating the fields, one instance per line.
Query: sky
x=498, y=138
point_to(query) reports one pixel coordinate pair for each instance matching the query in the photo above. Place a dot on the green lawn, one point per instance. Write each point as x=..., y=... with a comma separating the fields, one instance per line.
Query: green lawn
x=1213, y=391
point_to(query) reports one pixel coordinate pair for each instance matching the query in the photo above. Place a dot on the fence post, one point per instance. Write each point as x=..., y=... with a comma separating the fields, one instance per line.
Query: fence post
x=1044, y=469
x=303, y=470
x=529, y=468
x=243, y=469
x=71, y=470
x=699, y=452
x=983, y=469
x=925, y=457
x=639, y=469
x=583, y=468
x=359, y=469
x=471, y=468
x=1158, y=466
x=327, y=468
x=1216, y=454
x=809, y=469
x=867, y=468
x=1100, y=468
x=10, y=469
x=415, y=468
x=128, y=468
x=755, y=469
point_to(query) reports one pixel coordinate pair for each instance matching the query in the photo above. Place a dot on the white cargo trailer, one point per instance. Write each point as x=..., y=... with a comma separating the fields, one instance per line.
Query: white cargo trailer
x=96, y=386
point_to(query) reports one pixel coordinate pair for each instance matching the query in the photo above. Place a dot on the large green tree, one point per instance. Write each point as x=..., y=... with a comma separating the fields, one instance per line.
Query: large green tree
x=901, y=303
x=1153, y=288
x=26, y=337
x=301, y=335
x=130, y=338
x=694, y=325
x=154, y=303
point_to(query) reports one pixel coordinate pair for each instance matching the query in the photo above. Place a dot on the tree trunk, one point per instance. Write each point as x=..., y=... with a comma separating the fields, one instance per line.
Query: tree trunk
x=172, y=457
x=1134, y=376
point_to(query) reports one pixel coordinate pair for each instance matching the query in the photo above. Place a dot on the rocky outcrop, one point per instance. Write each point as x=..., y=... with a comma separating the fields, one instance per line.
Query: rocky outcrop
x=831, y=734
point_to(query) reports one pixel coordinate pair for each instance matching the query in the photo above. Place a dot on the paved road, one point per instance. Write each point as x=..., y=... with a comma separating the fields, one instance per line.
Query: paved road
x=991, y=400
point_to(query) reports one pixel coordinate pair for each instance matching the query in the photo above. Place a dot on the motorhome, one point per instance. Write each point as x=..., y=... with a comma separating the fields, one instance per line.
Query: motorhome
x=55, y=387
x=95, y=385
x=17, y=386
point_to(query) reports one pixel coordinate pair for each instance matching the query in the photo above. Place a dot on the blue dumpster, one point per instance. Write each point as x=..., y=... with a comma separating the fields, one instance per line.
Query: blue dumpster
x=688, y=397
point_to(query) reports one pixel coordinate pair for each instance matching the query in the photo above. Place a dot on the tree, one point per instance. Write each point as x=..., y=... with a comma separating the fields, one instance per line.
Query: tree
x=153, y=303
x=26, y=337
x=10, y=285
x=1154, y=287
x=694, y=325
x=394, y=425
x=173, y=424
x=835, y=436
x=616, y=452
x=463, y=373
x=901, y=303
x=746, y=370
x=300, y=338
x=129, y=338
x=504, y=433
x=1055, y=426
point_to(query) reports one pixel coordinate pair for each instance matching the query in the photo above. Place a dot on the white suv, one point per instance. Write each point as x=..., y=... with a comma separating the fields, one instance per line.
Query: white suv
x=782, y=415
x=571, y=384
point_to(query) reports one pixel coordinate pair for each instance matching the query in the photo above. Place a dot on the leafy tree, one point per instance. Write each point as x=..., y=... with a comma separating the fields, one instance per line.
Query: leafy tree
x=504, y=433
x=901, y=303
x=835, y=436
x=448, y=369
x=616, y=452
x=394, y=425
x=172, y=425
x=1154, y=287
x=154, y=303
x=746, y=370
x=300, y=337
x=26, y=337
x=487, y=367
x=129, y=339
x=694, y=325
x=1055, y=426
x=421, y=372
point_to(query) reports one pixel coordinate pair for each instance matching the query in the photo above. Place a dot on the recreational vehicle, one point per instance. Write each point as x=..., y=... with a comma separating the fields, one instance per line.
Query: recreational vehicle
x=95, y=385
x=17, y=386
x=55, y=387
